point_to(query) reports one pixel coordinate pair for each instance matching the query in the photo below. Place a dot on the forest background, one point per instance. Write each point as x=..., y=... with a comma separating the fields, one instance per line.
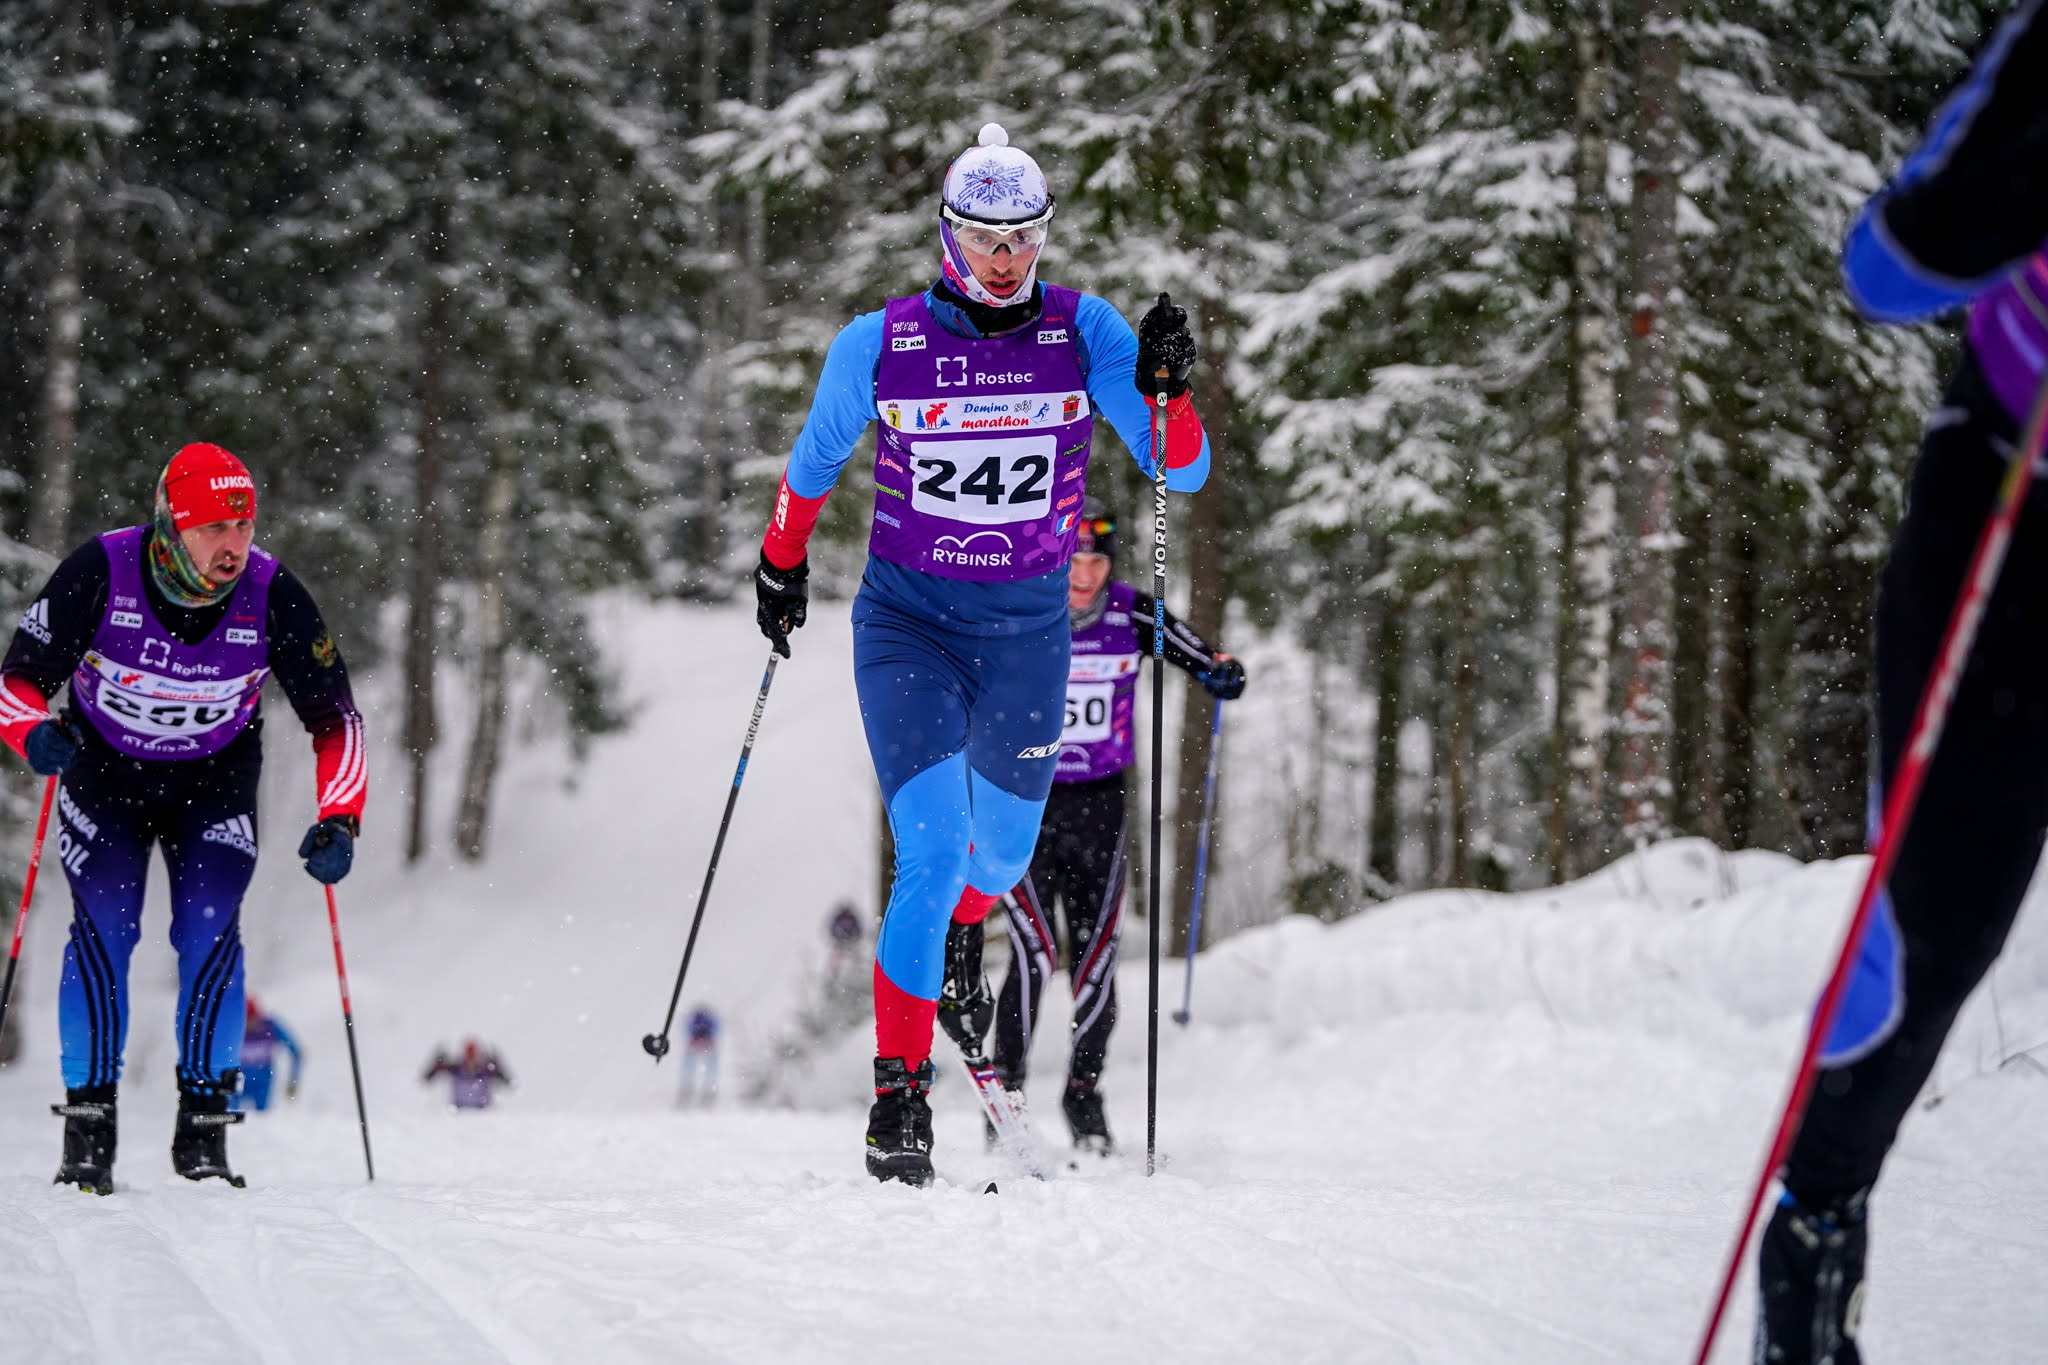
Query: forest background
x=1544, y=431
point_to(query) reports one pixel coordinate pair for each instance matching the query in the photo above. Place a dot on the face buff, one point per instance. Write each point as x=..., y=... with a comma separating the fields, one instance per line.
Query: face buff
x=202, y=484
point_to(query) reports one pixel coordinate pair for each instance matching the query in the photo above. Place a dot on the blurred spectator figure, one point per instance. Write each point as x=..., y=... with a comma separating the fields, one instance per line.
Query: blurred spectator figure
x=470, y=1077
x=262, y=1035
x=700, y=1057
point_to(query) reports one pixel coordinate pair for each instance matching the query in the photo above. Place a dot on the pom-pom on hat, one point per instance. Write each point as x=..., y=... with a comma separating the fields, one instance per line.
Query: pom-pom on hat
x=203, y=484
x=995, y=183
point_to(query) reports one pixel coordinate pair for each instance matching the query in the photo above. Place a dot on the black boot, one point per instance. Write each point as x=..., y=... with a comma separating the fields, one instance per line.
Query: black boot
x=966, y=1006
x=89, y=1133
x=1810, y=1273
x=900, y=1123
x=199, y=1147
x=1082, y=1105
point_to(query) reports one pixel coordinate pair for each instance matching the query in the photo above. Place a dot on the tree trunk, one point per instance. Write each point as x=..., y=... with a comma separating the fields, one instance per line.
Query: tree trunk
x=1695, y=681
x=1461, y=742
x=421, y=729
x=713, y=456
x=1645, y=779
x=1383, y=856
x=64, y=303
x=1739, y=583
x=1586, y=585
x=1202, y=532
x=494, y=641
x=1435, y=863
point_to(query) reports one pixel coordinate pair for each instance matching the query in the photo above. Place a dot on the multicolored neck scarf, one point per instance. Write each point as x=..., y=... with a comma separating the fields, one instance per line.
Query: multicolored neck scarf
x=171, y=566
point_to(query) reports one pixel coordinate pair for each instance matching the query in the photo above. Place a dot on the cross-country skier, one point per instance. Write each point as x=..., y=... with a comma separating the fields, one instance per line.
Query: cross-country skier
x=166, y=633
x=1963, y=222
x=1079, y=861
x=472, y=1078
x=262, y=1035
x=986, y=386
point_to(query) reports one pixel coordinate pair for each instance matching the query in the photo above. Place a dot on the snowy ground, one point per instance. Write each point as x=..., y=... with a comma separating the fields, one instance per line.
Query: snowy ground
x=1458, y=1129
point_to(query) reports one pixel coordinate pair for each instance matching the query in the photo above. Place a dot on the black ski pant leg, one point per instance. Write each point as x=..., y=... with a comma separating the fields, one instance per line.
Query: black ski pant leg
x=1976, y=835
x=1092, y=893
x=1033, y=951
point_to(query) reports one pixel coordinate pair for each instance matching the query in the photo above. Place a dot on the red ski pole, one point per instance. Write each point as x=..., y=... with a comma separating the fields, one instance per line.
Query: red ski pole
x=1928, y=720
x=348, y=1023
x=28, y=891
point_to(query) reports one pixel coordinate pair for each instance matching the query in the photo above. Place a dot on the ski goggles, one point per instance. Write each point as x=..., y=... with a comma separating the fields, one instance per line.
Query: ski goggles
x=985, y=239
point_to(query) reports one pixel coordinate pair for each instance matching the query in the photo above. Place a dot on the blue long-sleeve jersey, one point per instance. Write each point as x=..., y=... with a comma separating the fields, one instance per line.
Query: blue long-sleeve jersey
x=844, y=406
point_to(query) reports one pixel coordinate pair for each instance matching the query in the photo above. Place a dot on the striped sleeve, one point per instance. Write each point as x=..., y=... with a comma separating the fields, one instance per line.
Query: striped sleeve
x=343, y=774
x=22, y=709
x=308, y=666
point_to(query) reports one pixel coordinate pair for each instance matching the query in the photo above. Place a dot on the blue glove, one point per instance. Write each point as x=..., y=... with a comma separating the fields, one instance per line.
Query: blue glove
x=51, y=747
x=1225, y=681
x=329, y=848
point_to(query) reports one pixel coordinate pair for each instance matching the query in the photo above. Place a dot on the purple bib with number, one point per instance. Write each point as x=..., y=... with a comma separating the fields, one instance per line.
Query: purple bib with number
x=1102, y=693
x=148, y=693
x=981, y=454
x=2009, y=333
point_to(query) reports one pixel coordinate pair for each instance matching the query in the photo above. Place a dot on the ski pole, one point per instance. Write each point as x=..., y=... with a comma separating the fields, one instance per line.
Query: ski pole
x=656, y=1044
x=28, y=891
x=1187, y=988
x=1930, y=715
x=348, y=1025
x=1158, y=760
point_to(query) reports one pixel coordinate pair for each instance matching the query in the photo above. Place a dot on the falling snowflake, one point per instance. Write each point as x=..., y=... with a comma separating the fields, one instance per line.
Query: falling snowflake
x=990, y=186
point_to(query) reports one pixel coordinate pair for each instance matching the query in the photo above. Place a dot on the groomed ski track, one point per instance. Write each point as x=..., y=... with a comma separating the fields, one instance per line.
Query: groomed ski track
x=1457, y=1129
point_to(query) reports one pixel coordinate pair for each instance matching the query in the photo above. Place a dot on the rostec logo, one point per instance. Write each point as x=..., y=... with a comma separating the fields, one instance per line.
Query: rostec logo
x=126, y=620
x=953, y=371
x=36, y=620
x=155, y=653
x=238, y=834
x=1001, y=377
x=907, y=344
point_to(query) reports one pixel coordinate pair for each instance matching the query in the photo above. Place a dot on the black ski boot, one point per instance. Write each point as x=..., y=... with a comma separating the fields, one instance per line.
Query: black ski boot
x=900, y=1123
x=1810, y=1274
x=199, y=1147
x=1082, y=1105
x=89, y=1133
x=966, y=1006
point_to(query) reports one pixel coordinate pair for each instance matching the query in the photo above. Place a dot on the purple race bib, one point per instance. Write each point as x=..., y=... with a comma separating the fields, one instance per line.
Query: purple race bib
x=1102, y=693
x=2009, y=333
x=981, y=455
x=148, y=693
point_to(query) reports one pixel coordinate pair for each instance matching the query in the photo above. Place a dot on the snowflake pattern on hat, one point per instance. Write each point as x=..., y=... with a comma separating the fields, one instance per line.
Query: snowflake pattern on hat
x=989, y=185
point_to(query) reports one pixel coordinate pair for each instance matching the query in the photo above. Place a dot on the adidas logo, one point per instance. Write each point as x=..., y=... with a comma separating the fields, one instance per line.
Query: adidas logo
x=238, y=833
x=36, y=620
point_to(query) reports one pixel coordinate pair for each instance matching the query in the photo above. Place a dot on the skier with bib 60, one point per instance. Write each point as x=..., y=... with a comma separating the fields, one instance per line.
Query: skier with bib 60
x=984, y=387
x=1961, y=224
x=166, y=633
x=1080, y=858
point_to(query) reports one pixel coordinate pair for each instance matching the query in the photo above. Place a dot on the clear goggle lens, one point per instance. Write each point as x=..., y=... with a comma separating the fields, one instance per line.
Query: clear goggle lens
x=985, y=239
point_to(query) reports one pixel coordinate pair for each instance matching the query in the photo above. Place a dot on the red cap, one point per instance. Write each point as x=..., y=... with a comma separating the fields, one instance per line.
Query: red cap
x=204, y=484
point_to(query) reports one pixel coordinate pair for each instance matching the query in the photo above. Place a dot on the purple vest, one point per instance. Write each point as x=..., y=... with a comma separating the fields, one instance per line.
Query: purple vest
x=1102, y=692
x=2009, y=333
x=148, y=693
x=981, y=454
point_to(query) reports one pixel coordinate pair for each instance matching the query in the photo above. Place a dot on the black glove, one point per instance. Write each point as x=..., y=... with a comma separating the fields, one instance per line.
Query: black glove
x=1225, y=681
x=329, y=848
x=1165, y=343
x=784, y=596
x=51, y=747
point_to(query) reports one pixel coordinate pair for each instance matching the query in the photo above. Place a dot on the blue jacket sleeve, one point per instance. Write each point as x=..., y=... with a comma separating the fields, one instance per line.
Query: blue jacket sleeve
x=1957, y=218
x=1113, y=389
x=840, y=410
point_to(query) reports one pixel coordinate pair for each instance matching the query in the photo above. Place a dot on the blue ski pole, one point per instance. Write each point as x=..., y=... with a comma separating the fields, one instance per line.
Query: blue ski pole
x=1187, y=990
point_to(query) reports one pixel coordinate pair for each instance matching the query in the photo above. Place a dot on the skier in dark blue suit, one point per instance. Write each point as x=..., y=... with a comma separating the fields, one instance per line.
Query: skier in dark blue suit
x=1962, y=224
x=985, y=387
